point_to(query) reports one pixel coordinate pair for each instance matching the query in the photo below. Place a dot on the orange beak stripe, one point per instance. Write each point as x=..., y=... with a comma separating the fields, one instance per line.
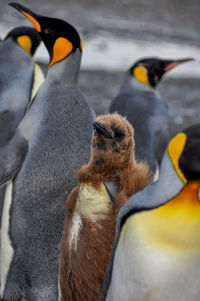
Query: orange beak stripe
x=33, y=21
x=171, y=66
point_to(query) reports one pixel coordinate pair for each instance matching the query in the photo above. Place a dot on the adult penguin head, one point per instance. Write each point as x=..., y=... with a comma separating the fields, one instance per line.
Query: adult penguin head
x=149, y=71
x=26, y=37
x=59, y=37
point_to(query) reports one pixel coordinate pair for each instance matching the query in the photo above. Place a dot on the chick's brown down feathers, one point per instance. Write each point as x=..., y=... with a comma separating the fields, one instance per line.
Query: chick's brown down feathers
x=91, y=215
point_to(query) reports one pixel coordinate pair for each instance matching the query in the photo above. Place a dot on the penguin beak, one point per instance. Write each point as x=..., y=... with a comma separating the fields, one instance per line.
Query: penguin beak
x=100, y=128
x=28, y=14
x=172, y=64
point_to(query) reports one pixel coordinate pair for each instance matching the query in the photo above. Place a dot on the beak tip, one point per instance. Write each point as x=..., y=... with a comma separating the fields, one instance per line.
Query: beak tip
x=187, y=59
x=33, y=17
x=13, y=4
x=16, y=6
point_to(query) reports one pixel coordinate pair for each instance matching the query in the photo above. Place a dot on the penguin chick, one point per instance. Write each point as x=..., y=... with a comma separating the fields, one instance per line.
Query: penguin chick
x=91, y=211
x=144, y=108
x=52, y=140
x=156, y=253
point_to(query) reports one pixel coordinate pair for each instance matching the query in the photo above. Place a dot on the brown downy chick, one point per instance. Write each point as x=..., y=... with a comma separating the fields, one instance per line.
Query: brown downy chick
x=91, y=211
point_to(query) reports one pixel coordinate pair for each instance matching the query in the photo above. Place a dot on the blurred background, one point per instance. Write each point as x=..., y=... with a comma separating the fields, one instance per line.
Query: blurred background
x=115, y=34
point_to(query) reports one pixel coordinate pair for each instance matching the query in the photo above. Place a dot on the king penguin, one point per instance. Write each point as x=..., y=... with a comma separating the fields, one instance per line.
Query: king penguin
x=20, y=78
x=156, y=254
x=92, y=208
x=39, y=165
x=140, y=102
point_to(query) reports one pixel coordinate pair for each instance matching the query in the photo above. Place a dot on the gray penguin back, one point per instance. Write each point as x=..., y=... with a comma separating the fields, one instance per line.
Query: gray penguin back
x=16, y=77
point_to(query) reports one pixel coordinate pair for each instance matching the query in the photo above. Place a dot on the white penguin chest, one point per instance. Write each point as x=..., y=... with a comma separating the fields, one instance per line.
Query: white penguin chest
x=143, y=271
x=158, y=254
x=92, y=204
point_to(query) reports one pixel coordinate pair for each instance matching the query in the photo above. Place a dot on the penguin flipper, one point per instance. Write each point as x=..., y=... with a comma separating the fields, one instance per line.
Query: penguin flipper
x=134, y=205
x=12, y=157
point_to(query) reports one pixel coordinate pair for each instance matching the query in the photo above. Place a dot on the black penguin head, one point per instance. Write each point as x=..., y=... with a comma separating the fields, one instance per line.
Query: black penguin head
x=112, y=141
x=26, y=37
x=149, y=71
x=59, y=37
x=184, y=150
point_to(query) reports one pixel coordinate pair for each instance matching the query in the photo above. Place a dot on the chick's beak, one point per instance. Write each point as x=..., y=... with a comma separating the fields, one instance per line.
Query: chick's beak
x=33, y=17
x=101, y=129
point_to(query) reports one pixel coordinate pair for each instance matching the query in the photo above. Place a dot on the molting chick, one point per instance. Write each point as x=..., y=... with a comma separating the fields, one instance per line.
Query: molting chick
x=111, y=176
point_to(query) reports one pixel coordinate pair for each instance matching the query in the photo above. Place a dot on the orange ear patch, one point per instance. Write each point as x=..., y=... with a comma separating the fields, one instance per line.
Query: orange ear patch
x=81, y=46
x=175, y=149
x=26, y=43
x=141, y=73
x=33, y=21
x=61, y=48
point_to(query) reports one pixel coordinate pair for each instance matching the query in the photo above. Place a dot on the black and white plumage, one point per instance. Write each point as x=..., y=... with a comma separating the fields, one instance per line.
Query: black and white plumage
x=140, y=102
x=156, y=253
x=40, y=163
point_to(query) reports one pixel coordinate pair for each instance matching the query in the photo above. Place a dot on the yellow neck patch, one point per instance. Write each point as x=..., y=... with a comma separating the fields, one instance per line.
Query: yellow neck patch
x=175, y=150
x=26, y=43
x=61, y=49
x=173, y=227
x=141, y=74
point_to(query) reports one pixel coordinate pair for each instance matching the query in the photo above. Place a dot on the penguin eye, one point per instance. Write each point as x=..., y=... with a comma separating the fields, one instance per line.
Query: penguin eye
x=118, y=134
x=46, y=31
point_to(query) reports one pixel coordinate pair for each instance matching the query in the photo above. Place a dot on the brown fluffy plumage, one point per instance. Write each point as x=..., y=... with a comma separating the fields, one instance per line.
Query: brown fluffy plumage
x=85, y=250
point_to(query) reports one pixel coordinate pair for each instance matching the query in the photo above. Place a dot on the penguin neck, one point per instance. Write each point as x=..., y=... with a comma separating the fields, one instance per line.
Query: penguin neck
x=100, y=166
x=14, y=49
x=135, y=84
x=111, y=171
x=168, y=179
x=189, y=194
x=68, y=69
